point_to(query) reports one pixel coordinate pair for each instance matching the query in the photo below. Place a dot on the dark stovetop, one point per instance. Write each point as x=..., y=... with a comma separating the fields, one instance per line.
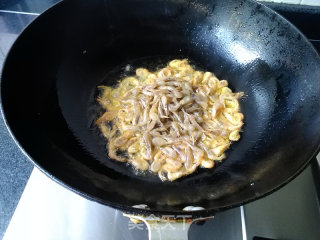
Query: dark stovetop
x=15, y=169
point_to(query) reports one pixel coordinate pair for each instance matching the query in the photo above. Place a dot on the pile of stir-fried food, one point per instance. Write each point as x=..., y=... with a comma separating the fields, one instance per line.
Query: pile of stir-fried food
x=170, y=121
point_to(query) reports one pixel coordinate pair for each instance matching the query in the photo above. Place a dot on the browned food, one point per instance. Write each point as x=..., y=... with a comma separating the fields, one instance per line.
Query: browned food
x=170, y=121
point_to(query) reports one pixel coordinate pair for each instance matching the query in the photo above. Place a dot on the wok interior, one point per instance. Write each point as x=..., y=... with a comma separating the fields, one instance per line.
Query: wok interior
x=51, y=74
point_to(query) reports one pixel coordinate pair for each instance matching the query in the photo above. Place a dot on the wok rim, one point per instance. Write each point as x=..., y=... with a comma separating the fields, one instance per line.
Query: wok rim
x=130, y=209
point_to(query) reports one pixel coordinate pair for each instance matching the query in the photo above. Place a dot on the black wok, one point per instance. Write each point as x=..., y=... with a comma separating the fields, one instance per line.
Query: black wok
x=49, y=84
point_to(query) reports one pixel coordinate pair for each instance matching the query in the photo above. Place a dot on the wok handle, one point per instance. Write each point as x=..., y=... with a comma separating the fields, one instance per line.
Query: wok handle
x=166, y=228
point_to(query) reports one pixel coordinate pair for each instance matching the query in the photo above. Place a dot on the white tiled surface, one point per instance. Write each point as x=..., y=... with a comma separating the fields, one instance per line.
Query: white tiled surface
x=302, y=2
x=283, y=1
x=47, y=211
x=311, y=2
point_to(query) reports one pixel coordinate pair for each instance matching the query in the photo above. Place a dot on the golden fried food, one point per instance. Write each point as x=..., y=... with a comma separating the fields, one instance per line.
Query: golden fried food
x=170, y=121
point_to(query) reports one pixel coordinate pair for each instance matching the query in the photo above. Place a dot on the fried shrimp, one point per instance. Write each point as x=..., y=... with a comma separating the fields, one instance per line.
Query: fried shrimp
x=171, y=121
